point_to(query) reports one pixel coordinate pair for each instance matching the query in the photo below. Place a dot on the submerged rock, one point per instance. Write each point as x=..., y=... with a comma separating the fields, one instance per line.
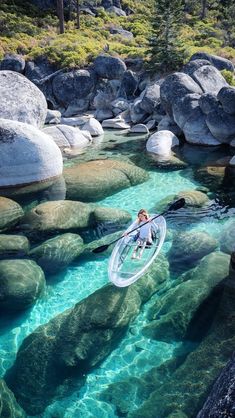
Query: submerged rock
x=200, y=368
x=21, y=283
x=173, y=313
x=189, y=247
x=227, y=240
x=13, y=245
x=97, y=179
x=75, y=342
x=10, y=213
x=58, y=252
x=9, y=408
x=221, y=397
x=70, y=216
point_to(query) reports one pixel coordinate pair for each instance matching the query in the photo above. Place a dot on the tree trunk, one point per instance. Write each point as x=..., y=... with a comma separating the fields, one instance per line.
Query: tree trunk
x=60, y=13
x=204, y=9
x=78, y=14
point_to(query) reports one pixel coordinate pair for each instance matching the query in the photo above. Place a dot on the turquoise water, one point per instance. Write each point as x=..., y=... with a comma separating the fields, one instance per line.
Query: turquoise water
x=135, y=354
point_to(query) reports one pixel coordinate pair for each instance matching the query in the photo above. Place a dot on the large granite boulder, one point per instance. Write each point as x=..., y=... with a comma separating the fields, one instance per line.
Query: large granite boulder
x=66, y=136
x=13, y=62
x=199, y=369
x=221, y=397
x=21, y=283
x=150, y=98
x=21, y=100
x=226, y=96
x=190, y=118
x=57, y=253
x=109, y=67
x=70, y=216
x=209, y=79
x=189, y=247
x=221, y=124
x=208, y=102
x=128, y=85
x=71, y=87
x=13, y=245
x=161, y=142
x=97, y=179
x=172, y=314
x=9, y=408
x=75, y=342
x=218, y=62
x=174, y=87
x=10, y=213
x=211, y=175
x=27, y=155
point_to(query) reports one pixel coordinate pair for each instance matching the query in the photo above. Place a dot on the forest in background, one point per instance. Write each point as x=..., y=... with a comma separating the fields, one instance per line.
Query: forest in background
x=28, y=30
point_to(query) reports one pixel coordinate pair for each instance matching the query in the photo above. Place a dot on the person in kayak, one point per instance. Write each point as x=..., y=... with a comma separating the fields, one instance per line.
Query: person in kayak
x=144, y=235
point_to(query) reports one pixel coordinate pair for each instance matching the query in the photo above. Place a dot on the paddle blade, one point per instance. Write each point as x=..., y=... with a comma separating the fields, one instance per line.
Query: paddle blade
x=177, y=205
x=100, y=249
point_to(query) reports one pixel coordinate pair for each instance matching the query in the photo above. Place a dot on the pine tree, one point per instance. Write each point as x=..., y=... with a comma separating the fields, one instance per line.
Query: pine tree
x=166, y=49
x=228, y=21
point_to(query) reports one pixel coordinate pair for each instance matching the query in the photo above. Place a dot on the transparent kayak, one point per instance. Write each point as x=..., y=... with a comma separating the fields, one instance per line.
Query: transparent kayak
x=123, y=270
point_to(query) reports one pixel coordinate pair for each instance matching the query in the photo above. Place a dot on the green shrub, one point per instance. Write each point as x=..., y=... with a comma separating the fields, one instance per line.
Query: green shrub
x=229, y=77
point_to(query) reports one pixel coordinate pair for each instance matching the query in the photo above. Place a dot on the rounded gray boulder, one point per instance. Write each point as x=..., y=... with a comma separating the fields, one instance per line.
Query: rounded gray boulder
x=27, y=155
x=21, y=100
x=73, y=86
x=226, y=96
x=21, y=283
x=13, y=62
x=109, y=67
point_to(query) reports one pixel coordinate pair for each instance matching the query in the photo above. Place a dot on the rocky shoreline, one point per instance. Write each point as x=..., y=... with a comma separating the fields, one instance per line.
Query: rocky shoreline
x=194, y=106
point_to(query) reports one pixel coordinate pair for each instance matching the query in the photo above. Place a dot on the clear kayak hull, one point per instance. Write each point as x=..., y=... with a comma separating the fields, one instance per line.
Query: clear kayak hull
x=123, y=270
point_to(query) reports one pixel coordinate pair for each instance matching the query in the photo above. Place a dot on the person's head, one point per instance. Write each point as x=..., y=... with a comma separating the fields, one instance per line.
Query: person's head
x=143, y=215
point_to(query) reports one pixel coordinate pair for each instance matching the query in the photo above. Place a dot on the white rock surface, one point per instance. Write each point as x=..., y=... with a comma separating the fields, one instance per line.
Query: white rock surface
x=21, y=100
x=27, y=155
x=140, y=128
x=94, y=127
x=116, y=123
x=161, y=143
x=67, y=136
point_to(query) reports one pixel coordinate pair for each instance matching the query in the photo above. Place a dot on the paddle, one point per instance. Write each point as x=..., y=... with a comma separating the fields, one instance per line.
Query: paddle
x=174, y=206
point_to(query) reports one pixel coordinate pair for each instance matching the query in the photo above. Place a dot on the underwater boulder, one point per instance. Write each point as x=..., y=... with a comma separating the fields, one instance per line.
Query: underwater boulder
x=227, y=239
x=57, y=253
x=49, y=218
x=13, y=245
x=21, y=283
x=74, y=342
x=200, y=368
x=171, y=315
x=94, y=180
x=221, y=397
x=9, y=408
x=189, y=247
x=10, y=213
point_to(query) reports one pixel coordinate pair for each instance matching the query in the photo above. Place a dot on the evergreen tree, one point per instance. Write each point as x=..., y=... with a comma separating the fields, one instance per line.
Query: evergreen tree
x=228, y=21
x=166, y=50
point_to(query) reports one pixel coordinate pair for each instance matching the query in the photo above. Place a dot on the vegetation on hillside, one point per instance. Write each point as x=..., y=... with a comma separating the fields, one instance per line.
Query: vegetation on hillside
x=26, y=30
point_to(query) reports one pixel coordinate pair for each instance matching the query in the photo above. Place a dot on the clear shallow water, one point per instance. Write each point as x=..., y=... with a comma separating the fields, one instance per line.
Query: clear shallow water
x=136, y=354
